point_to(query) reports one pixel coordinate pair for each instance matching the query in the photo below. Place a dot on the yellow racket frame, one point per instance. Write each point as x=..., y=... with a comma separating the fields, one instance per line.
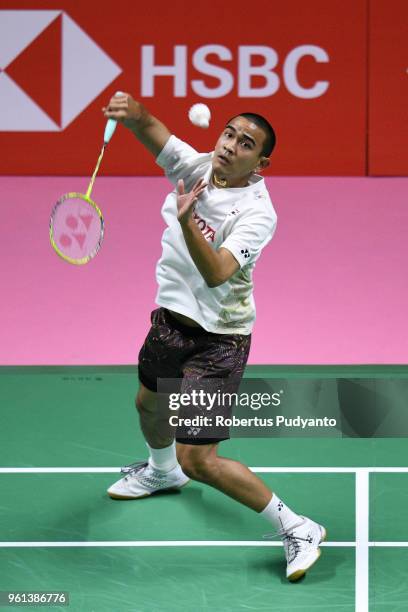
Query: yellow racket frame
x=83, y=260
x=87, y=198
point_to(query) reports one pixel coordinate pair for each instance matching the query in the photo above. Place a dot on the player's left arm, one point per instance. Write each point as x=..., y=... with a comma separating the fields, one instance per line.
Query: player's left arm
x=215, y=267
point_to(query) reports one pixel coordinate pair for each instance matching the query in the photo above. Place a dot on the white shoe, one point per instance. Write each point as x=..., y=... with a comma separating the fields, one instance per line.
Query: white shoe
x=141, y=480
x=302, y=547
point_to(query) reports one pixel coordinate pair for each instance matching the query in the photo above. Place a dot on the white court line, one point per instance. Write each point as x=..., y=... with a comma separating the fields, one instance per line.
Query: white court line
x=259, y=470
x=362, y=525
x=183, y=543
x=334, y=470
x=158, y=543
x=391, y=544
x=60, y=470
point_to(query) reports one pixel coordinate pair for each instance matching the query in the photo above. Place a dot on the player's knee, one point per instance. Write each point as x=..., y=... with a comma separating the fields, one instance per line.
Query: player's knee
x=146, y=401
x=197, y=467
x=144, y=408
x=139, y=405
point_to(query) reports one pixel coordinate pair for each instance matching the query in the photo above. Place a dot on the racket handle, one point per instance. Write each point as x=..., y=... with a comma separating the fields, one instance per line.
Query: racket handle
x=110, y=125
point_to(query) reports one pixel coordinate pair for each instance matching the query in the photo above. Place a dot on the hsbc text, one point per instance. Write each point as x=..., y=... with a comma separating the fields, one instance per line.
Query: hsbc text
x=246, y=68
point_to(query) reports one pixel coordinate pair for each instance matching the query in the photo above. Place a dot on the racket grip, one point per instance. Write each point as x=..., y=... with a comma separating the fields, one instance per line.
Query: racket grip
x=110, y=125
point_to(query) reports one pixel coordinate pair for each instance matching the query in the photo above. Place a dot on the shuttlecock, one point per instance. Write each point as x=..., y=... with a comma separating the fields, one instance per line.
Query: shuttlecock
x=200, y=115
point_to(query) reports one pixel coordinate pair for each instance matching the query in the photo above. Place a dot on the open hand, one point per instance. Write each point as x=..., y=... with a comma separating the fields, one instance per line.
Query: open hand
x=186, y=201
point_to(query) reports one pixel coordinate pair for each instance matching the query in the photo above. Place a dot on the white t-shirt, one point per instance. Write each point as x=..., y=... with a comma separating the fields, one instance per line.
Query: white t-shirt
x=240, y=219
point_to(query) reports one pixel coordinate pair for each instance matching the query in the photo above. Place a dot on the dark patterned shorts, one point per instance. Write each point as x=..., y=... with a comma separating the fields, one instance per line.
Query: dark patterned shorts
x=172, y=350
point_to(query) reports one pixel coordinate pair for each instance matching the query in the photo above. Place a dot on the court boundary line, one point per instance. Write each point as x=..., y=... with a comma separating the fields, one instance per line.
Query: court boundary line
x=259, y=470
x=181, y=543
x=362, y=501
x=159, y=544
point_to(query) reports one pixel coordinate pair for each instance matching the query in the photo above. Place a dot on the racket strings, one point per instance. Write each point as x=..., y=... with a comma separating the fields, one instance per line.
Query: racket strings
x=76, y=228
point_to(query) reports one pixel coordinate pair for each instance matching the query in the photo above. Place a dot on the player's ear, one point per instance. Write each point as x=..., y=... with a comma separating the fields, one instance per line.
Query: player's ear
x=263, y=163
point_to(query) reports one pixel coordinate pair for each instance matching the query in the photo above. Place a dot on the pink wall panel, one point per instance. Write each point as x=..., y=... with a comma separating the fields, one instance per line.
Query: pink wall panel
x=332, y=286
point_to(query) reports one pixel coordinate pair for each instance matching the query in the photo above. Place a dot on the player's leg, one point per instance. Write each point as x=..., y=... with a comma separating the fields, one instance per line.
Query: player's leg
x=301, y=536
x=158, y=358
x=155, y=426
x=161, y=472
x=201, y=462
x=154, y=430
x=218, y=367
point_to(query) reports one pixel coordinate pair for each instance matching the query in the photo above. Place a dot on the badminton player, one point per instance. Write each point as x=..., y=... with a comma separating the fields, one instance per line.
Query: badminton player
x=219, y=218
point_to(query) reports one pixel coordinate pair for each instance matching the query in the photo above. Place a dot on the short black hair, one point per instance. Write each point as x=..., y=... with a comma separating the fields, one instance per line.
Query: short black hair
x=261, y=122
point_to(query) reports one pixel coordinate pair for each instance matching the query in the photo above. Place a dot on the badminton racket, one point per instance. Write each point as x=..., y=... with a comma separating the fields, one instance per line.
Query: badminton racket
x=76, y=223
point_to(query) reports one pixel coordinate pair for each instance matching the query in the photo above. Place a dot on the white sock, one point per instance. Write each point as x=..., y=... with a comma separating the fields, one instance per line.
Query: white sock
x=281, y=517
x=163, y=459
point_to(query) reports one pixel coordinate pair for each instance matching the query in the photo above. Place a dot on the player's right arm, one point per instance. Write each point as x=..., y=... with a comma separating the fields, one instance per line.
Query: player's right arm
x=151, y=132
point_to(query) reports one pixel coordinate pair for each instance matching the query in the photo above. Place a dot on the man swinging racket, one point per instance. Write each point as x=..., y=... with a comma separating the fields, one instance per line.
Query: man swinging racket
x=219, y=218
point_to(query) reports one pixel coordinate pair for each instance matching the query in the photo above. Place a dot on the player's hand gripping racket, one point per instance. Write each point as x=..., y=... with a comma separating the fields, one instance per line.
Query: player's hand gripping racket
x=76, y=224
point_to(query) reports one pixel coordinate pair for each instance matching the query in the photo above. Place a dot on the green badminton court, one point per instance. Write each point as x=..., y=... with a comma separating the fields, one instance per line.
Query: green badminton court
x=65, y=432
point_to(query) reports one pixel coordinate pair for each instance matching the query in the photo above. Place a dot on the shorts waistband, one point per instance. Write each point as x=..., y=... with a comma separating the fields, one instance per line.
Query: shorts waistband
x=186, y=329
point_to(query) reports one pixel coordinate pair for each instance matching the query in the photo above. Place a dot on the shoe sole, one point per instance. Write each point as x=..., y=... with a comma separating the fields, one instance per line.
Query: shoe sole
x=129, y=497
x=300, y=573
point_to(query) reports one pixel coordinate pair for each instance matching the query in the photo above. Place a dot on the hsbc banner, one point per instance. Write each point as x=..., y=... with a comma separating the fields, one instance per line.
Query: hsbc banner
x=302, y=64
x=388, y=93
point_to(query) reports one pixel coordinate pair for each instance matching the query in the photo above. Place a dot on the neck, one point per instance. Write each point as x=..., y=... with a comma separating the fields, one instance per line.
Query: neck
x=221, y=182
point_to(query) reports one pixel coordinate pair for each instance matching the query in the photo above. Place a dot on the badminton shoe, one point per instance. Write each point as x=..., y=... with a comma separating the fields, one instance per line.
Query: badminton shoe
x=141, y=480
x=301, y=545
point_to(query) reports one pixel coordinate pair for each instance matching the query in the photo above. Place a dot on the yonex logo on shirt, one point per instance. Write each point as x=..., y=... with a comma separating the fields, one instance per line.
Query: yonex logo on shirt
x=245, y=253
x=207, y=231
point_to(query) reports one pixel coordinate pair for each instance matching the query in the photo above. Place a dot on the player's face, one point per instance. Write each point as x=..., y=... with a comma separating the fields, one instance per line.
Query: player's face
x=238, y=150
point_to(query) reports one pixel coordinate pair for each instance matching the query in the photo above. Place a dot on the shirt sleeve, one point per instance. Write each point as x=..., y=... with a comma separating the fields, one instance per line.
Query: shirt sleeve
x=249, y=236
x=177, y=158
